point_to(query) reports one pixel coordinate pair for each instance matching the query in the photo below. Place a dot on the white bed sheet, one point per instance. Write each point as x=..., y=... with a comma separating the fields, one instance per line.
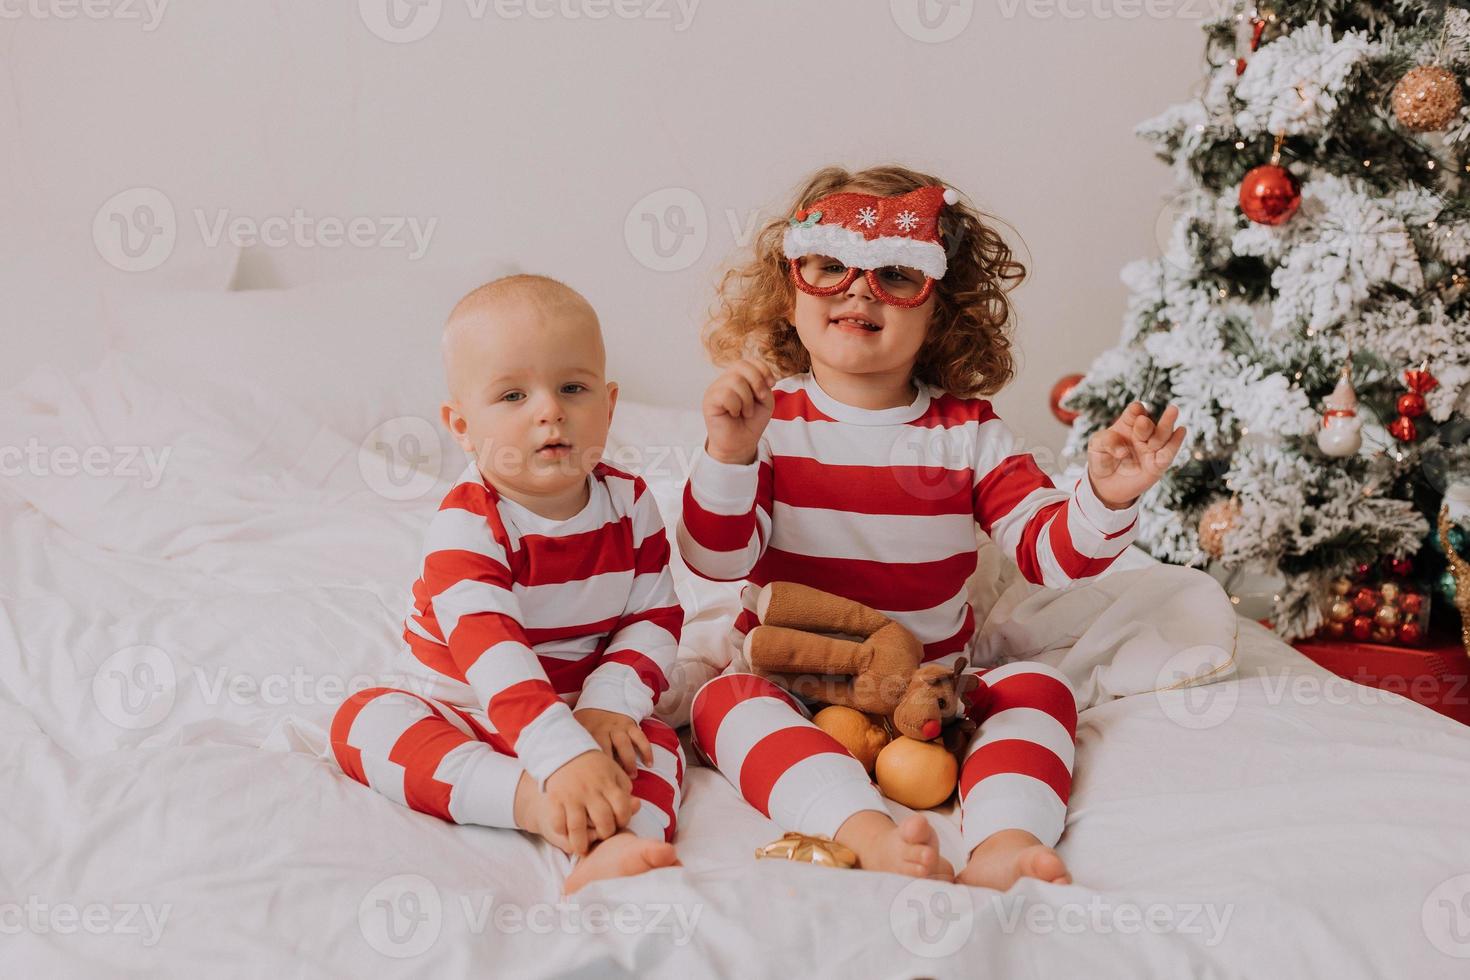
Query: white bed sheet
x=1277, y=824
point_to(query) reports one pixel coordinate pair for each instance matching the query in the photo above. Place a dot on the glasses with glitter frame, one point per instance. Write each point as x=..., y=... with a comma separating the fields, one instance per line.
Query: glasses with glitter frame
x=895, y=285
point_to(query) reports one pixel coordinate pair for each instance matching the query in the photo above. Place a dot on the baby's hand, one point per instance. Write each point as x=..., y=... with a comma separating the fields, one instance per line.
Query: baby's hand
x=1130, y=455
x=620, y=737
x=590, y=789
x=737, y=408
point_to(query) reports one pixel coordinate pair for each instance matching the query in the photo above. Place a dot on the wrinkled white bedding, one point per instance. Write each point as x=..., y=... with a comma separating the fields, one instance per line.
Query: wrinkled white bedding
x=172, y=640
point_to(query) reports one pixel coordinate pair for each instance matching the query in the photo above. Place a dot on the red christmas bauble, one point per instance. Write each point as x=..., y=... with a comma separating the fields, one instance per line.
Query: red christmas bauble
x=1362, y=627
x=1420, y=380
x=1403, y=429
x=1412, y=404
x=1060, y=391
x=1400, y=567
x=1366, y=600
x=1411, y=633
x=1270, y=194
x=1362, y=569
x=1412, y=603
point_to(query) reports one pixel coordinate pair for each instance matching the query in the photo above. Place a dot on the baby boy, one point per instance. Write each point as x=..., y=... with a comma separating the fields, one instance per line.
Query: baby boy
x=544, y=621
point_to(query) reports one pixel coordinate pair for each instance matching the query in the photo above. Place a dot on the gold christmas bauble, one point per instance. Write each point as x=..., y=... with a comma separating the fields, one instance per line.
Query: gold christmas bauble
x=1427, y=98
x=1387, y=616
x=1389, y=591
x=1340, y=611
x=1342, y=585
x=1216, y=522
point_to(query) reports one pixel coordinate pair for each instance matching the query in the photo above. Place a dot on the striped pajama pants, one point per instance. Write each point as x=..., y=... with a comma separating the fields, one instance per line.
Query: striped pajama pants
x=446, y=761
x=1017, y=771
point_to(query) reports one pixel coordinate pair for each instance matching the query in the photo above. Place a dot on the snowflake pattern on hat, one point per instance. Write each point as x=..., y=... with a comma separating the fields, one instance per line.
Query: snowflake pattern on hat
x=870, y=232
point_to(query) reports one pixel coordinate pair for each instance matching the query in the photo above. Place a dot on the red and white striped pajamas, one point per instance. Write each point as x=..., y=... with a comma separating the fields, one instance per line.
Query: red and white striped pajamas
x=514, y=620
x=880, y=506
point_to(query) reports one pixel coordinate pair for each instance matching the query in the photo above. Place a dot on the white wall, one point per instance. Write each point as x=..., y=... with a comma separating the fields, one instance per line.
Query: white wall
x=538, y=137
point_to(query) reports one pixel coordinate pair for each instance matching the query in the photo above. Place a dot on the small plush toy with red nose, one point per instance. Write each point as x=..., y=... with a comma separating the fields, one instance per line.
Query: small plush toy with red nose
x=825, y=648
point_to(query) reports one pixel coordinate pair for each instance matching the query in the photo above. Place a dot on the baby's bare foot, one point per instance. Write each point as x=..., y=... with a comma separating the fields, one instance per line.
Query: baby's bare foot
x=910, y=848
x=1006, y=856
x=620, y=856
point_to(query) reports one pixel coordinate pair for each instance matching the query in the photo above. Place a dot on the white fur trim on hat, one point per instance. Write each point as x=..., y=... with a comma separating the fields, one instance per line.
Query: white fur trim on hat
x=851, y=248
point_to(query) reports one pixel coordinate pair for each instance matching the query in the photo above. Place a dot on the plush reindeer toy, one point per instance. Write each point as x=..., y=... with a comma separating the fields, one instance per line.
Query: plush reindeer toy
x=884, y=708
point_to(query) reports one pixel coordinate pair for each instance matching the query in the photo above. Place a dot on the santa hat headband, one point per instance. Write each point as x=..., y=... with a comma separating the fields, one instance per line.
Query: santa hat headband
x=870, y=232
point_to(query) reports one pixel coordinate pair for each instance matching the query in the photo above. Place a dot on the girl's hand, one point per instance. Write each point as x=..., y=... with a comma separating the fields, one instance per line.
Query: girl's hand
x=737, y=408
x=1130, y=455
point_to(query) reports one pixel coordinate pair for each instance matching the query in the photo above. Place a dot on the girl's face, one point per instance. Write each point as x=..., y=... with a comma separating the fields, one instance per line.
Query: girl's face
x=854, y=333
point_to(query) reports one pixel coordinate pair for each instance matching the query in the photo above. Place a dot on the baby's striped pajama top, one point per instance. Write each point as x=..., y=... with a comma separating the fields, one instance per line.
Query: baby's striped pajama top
x=515, y=620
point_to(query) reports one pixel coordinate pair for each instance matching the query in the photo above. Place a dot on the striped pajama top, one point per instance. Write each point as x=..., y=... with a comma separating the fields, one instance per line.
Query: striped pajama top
x=880, y=506
x=523, y=617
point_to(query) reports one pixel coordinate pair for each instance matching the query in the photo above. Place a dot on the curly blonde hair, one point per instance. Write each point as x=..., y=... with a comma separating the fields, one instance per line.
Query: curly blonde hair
x=968, y=348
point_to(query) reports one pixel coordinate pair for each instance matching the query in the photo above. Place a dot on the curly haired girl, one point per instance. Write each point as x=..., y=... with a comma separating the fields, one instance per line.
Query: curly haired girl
x=851, y=448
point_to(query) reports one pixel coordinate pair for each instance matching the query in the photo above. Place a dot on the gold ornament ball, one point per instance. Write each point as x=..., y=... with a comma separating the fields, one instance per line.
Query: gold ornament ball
x=1342, y=585
x=1387, y=616
x=1334, y=631
x=1389, y=591
x=1216, y=522
x=1427, y=98
x=1340, y=611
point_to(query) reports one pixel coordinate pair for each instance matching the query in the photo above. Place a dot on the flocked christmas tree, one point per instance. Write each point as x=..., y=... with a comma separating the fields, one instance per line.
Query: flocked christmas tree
x=1310, y=314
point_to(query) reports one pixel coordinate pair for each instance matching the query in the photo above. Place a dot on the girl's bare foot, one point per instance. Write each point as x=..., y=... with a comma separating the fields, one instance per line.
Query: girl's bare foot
x=621, y=855
x=1006, y=856
x=910, y=848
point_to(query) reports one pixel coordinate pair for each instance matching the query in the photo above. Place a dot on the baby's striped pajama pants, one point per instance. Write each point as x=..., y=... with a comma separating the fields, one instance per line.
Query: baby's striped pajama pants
x=447, y=761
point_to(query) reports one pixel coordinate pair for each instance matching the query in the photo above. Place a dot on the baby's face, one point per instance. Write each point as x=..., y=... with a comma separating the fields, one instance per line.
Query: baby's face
x=528, y=397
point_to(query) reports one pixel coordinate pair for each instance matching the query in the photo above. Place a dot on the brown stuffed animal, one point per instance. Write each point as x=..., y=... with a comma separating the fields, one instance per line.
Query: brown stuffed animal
x=826, y=648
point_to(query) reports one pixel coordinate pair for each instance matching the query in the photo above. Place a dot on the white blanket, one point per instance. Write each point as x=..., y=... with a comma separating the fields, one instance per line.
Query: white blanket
x=172, y=642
